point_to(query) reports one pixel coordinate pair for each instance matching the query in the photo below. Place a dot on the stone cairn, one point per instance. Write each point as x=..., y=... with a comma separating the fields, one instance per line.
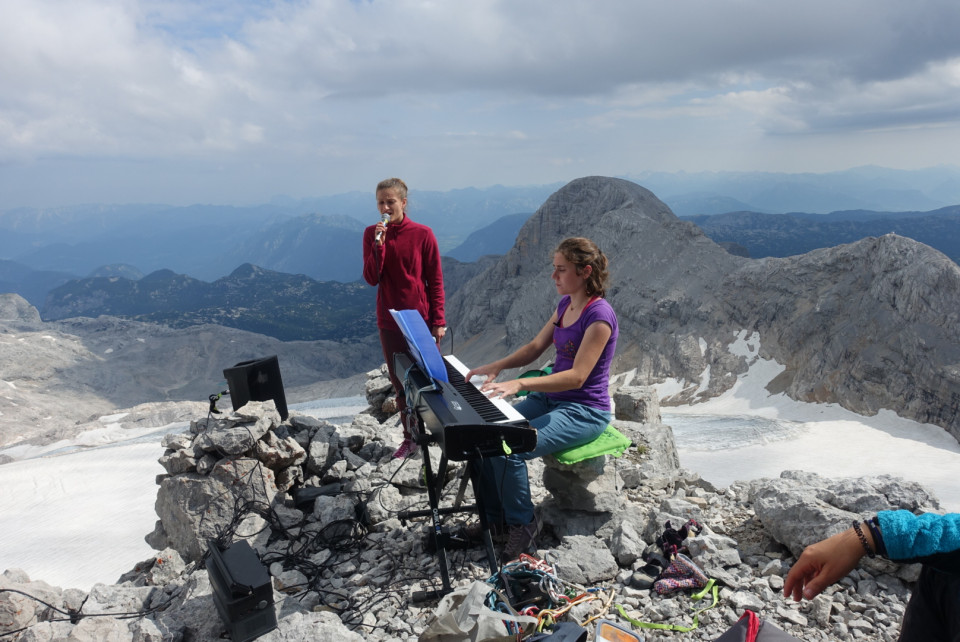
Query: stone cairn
x=319, y=503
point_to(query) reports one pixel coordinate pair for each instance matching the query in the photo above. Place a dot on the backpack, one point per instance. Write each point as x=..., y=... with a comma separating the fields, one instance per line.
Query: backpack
x=750, y=628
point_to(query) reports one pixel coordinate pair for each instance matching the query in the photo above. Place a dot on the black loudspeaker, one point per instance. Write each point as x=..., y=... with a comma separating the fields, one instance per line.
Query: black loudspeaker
x=242, y=591
x=257, y=380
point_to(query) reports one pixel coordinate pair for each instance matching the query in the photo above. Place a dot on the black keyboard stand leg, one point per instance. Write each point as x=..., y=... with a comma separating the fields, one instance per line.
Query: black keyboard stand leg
x=437, y=535
x=438, y=538
x=475, y=467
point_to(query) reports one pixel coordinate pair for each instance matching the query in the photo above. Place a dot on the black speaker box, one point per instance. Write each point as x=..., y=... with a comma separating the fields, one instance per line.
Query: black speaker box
x=257, y=380
x=242, y=591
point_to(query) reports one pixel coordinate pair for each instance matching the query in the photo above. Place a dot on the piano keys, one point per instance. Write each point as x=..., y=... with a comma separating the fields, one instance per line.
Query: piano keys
x=458, y=417
x=501, y=410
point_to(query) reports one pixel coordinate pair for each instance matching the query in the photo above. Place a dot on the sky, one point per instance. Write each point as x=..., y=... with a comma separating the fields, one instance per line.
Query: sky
x=75, y=513
x=236, y=102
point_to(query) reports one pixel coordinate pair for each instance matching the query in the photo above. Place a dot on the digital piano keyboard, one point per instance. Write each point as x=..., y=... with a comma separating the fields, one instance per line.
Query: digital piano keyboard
x=455, y=415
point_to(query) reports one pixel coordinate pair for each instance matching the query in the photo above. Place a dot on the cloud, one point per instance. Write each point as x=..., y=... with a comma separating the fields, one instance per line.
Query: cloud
x=375, y=84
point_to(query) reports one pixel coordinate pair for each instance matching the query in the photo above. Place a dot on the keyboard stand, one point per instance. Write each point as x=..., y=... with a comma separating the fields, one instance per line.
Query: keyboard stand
x=440, y=537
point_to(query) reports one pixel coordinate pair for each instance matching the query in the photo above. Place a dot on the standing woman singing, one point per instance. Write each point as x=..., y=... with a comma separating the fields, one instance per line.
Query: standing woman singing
x=401, y=258
x=569, y=407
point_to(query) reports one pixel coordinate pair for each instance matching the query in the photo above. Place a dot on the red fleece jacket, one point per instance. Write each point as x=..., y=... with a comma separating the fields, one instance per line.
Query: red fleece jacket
x=407, y=270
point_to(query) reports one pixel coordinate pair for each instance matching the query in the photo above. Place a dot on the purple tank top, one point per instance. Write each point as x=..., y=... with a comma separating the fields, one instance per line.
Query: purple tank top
x=594, y=392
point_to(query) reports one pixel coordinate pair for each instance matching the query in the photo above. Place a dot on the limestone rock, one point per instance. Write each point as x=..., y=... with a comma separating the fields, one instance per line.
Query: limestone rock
x=639, y=404
x=337, y=563
x=800, y=508
x=586, y=560
x=868, y=325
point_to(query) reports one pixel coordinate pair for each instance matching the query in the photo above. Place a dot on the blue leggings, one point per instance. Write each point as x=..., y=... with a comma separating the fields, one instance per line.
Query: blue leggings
x=560, y=425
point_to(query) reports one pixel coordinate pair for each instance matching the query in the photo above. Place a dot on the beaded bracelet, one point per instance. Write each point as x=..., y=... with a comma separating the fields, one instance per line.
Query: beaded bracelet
x=863, y=539
x=877, y=537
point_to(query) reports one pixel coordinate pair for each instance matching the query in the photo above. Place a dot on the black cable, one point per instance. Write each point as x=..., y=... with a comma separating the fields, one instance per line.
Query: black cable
x=346, y=540
x=75, y=615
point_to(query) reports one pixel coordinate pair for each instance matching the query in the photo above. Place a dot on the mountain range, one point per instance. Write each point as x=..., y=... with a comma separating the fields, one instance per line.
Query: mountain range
x=797, y=233
x=292, y=247
x=59, y=377
x=869, y=325
x=318, y=237
x=288, y=307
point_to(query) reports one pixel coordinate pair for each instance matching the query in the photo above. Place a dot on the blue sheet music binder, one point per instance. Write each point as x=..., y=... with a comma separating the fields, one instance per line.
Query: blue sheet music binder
x=422, y=346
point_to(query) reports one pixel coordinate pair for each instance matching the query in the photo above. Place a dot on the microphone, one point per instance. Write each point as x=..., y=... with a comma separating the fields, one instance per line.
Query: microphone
x=385, y=219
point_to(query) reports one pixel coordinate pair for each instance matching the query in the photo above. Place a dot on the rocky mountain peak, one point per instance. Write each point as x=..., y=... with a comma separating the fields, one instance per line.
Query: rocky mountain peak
x=17, y=313
x=247, y=271
x=651, y=252
x=868, y=325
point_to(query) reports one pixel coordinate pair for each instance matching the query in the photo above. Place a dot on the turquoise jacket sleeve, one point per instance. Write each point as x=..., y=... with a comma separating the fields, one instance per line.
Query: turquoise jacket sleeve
x=909, y=536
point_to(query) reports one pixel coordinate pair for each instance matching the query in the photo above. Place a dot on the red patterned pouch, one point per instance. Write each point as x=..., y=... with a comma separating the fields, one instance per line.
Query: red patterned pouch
x=682, y=573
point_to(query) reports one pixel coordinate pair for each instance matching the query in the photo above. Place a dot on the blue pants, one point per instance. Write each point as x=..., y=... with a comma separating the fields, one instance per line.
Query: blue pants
x=934, y=609
x=560, y=425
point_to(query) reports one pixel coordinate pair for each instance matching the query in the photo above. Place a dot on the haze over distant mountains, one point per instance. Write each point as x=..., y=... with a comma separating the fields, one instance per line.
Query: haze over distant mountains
x=868, y=325
x=306, y=236
x=860, y=188
x=763, y=235
x=319, y=238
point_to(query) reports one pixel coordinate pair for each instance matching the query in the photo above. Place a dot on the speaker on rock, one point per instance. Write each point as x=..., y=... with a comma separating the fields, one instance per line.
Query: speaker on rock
x=257, y=380
x=242, y=590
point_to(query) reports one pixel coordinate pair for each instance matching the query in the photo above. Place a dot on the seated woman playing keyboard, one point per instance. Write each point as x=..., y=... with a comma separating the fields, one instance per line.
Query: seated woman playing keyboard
x=570, y=406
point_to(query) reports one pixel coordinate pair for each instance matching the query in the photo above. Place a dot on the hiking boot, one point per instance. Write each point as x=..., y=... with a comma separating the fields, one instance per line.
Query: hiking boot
x=520, y=539
x=474, y=531
x=645, y=577
x=408, y=448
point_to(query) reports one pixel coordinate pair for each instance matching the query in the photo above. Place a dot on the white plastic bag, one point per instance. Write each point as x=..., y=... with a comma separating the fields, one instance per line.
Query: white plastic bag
x=463, y=615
